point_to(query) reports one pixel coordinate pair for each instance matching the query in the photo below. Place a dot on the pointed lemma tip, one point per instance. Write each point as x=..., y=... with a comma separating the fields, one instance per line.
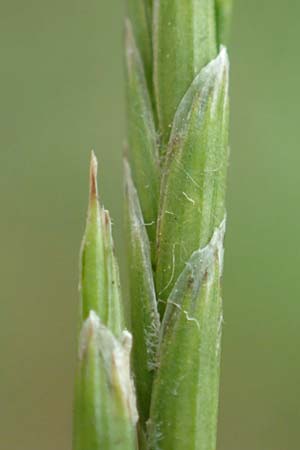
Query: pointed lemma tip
x=88, y=332
x=126, y=340
x=127, y=175
x=218, y=69
x=93, y=176
x=93, y=321
x=222, y=59
x=107, y=217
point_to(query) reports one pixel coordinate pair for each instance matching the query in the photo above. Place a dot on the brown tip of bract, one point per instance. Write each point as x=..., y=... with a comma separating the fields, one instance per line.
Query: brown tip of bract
x=93, y=177
x=107, y=226
x=107, y=220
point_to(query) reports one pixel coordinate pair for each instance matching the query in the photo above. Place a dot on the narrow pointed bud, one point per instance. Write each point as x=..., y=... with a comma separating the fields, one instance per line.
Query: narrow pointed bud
x=142, y=137
x=144, y=313
x=104, y=414
x=223, y=16
x=99, y=283
x=185, y=392
x=93, y=280
x=184, y=41
x=193, y=185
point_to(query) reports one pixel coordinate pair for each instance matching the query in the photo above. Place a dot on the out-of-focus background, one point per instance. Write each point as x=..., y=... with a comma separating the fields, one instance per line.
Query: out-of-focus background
x=61, y=83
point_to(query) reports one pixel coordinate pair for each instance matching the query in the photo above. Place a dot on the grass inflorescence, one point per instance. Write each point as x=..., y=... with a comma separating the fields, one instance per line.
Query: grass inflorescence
x=156, y=386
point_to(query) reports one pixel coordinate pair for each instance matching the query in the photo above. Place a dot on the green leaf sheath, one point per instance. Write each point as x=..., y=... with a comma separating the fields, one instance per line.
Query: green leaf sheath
x=140, y=16
x=142, y=137
x=104, y=410
x=99, y=283
x=149, y=6
x=115, y=313
x=185, y=391
x=223, y=17
x=144, y=313
x=193, y=184
x=184, y=41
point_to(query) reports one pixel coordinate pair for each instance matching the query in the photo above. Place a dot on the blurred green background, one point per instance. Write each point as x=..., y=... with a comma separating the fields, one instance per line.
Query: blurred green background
x=61, y=82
